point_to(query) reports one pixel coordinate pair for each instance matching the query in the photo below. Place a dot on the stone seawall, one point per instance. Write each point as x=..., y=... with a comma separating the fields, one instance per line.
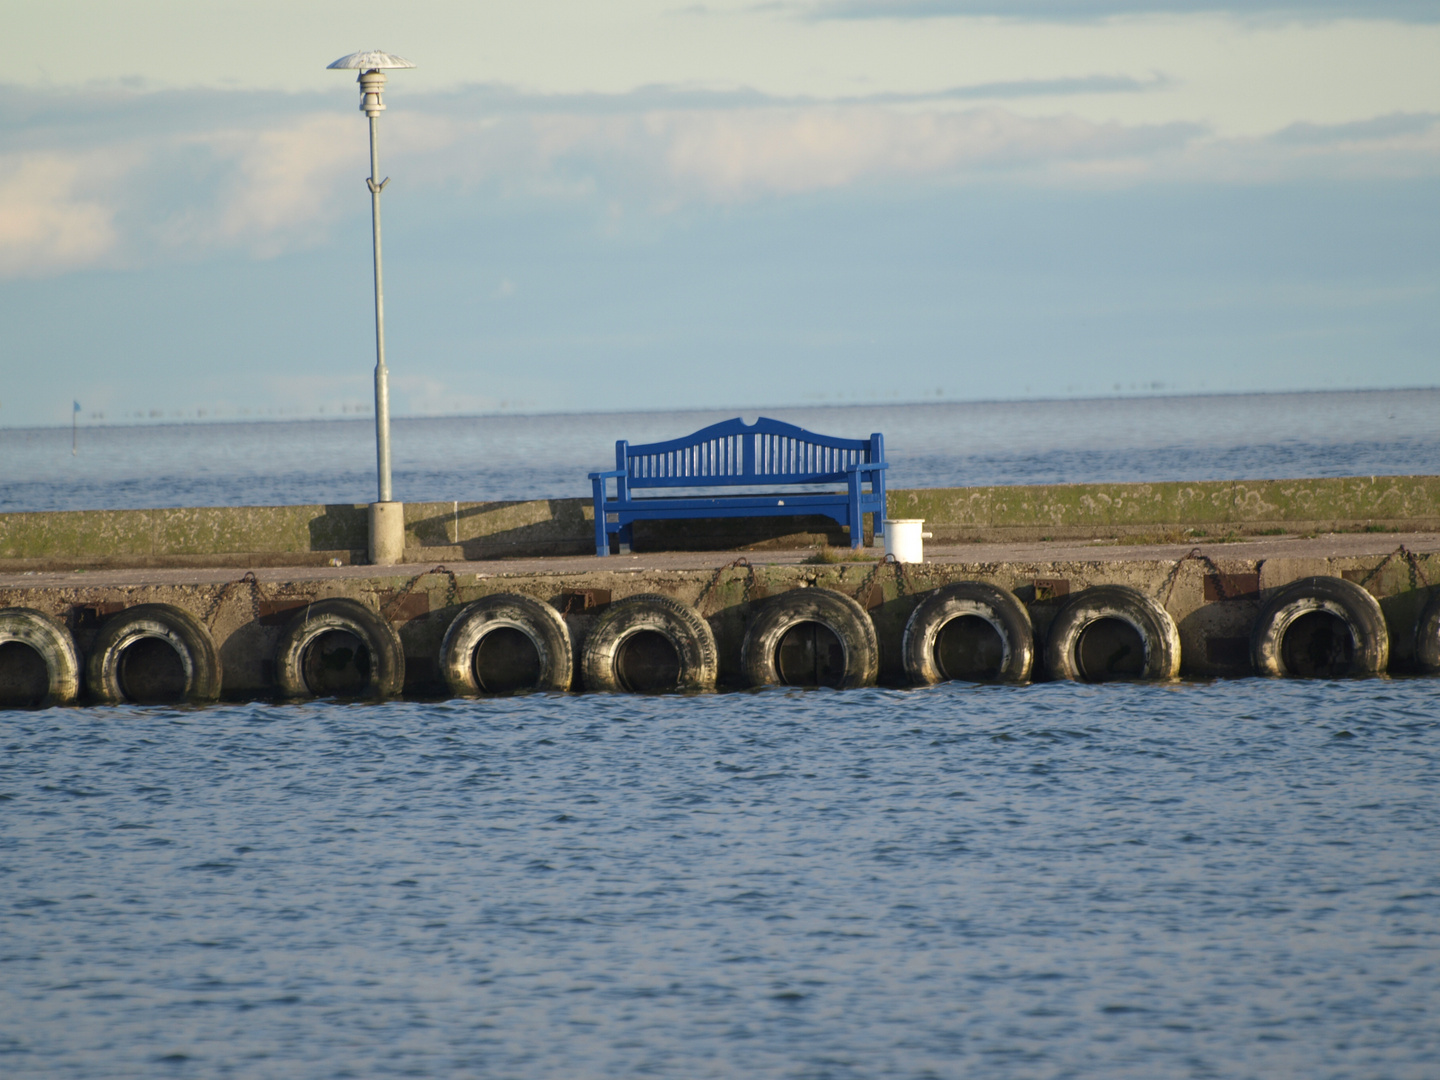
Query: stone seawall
x=1213, y=597
x=319, y=535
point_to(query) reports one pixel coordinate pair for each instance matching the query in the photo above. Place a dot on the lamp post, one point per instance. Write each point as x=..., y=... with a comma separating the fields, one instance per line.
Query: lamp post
x=387, y=517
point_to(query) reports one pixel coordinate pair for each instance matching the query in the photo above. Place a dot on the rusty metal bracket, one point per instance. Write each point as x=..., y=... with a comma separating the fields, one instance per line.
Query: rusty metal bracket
x=574, y=601
x=1231, y=586
x=1050, y=589
x=90, y=616
x=393, y=605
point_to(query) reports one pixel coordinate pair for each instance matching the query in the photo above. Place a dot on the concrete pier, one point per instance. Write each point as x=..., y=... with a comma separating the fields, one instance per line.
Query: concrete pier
x=1212, y=591
x=434, y=532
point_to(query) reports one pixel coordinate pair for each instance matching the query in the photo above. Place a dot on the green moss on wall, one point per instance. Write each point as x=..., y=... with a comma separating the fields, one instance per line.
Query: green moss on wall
x=550, y=524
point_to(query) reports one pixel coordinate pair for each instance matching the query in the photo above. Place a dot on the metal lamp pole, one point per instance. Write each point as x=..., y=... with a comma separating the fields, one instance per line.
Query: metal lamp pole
x=371, y=84
x=386, y=516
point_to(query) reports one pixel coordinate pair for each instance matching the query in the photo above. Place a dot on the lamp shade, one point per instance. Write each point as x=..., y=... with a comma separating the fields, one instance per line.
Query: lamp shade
x=369, y=60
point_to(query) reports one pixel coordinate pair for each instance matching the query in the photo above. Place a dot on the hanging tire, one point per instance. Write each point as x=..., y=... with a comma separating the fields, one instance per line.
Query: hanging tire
x=811, y=637
x=153, y=654
x=969, y=631
x=1320, y=627
x=506, y=643
x=649, y=644
x=1427, y=635
x=39, y=666
x=1112, y=632
x=339, y=648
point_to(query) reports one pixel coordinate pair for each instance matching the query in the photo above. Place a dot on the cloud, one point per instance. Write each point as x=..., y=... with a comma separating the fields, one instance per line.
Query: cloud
x=661, y=97
x=1392, y=128
x=51, y=218
x=1419, y=11
x=1023, y=88
x=121, y=112
x=115, y=176
x=661, y=159
x=662, y=147
x=278, y=175
x=730, y=155
x=1395, y=147
x=276, y=187
x=177, y=194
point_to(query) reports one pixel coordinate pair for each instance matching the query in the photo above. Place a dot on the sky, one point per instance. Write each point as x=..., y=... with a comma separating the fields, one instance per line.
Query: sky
x=665, y=205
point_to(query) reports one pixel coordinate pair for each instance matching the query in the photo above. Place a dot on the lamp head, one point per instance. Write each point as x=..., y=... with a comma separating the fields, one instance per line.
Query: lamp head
x=371, y=64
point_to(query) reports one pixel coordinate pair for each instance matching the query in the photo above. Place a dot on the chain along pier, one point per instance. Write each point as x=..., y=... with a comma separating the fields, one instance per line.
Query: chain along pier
x=1136, y=582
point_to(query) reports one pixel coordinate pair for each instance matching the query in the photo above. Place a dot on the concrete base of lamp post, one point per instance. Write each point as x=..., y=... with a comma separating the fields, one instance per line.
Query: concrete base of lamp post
x=387, y=533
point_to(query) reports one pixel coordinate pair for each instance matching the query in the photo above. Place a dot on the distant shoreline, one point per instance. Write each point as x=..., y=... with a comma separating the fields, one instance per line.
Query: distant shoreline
x=748, y=410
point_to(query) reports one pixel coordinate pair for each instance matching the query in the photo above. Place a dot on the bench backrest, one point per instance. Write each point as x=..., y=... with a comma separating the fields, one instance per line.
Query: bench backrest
x=735, y=453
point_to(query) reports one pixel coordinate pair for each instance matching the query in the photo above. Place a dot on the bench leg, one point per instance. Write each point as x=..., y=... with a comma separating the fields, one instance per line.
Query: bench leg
x=602, y=539
x=626, y=536
x=877, y=487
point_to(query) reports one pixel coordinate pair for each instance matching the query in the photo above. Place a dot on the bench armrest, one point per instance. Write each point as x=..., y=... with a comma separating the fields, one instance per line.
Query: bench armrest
x=609, y=475
x=868, y=466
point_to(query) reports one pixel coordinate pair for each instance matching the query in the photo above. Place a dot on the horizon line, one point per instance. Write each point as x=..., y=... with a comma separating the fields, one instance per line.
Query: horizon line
x=920, y=402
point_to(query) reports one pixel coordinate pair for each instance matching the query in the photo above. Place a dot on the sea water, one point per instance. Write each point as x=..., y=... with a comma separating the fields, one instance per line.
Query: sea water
x=1230, y=879
x=1256, y=436
x=1235, y=879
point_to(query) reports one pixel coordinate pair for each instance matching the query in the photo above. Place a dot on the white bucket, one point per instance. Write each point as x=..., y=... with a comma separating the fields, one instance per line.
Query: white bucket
x=904, y=540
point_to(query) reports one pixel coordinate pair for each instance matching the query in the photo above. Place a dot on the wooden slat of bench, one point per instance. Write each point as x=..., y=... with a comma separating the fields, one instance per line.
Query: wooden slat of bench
x=786, y=456
x=713, y=460
x=733, y=453
x=747, y=503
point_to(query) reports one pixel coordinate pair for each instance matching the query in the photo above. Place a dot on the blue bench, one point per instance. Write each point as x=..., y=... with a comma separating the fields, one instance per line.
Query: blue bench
x=768, y=454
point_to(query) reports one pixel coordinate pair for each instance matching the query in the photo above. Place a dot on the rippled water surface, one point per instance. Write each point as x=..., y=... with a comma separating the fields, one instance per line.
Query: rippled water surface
x=1249, y=436
x=1238, y=879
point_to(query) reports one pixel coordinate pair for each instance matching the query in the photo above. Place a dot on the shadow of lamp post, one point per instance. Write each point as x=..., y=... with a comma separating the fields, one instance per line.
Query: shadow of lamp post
x=387, y=517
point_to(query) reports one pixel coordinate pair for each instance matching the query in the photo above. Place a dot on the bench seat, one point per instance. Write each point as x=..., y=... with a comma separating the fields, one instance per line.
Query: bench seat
x=768, y=454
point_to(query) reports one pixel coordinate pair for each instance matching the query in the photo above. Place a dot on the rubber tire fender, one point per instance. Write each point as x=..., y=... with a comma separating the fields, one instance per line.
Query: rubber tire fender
x=684, y=627
x=996, y=606
x=1147, y=617
x=173, y=625
x=1427, y=635
x=539, y=622
x=387, y=658
x=1344, y=599
x=56, y=647
x=838, y=613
